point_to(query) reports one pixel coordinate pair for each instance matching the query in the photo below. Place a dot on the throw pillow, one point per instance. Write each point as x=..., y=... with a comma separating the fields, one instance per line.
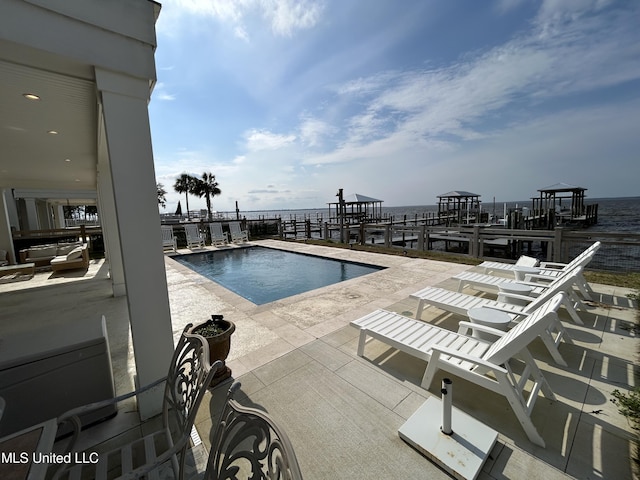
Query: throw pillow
x=75, y=253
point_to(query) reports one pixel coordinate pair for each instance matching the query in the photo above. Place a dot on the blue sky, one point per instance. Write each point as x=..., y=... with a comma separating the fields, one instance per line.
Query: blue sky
x=286, y=101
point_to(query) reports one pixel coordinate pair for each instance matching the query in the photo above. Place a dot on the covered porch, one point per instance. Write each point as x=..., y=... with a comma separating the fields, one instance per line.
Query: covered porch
x=75, y=81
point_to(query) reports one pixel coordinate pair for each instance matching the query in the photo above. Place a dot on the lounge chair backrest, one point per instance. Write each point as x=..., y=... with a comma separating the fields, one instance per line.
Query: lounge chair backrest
x=524, y=332
x=216, y=229
x=584, y=258
x=560, y=284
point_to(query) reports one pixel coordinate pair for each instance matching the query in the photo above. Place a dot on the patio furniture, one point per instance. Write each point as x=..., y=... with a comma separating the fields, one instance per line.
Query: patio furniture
x=194, y=239
x=472, y=358
x=523, y=261
x=51, y=370
x=490, y=282
x=490, y=318
x=185, y=385
x=519, y=289
x=27, y=445
x=23, y=268
x=238, y=235
x=75, y=259
x=521, y=272
x=168, y=239
x=218, y=237
x=548, y=271
x=248, y=440
x=460, y=303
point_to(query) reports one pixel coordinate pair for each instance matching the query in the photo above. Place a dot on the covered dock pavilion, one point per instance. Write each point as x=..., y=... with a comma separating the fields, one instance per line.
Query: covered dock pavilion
x=562, y=203
x=459, y=206
x=356, y=208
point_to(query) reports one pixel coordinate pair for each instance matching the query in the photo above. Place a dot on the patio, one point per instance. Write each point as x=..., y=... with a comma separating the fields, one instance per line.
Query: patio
x=296, y=358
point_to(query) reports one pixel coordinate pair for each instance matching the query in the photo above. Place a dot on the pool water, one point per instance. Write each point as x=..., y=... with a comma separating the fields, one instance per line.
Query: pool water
x=263, y=275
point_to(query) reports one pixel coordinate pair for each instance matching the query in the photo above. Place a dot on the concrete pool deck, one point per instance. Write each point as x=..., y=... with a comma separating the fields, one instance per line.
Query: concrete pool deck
x=296, y=358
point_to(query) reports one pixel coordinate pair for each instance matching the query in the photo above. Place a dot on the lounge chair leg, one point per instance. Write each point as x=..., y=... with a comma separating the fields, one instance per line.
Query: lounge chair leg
x=518, y=409
x=430, y=371
x=362, y=340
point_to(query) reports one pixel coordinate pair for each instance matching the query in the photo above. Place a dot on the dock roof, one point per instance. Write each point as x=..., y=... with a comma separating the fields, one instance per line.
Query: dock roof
x=562, y=187
x=458, y=193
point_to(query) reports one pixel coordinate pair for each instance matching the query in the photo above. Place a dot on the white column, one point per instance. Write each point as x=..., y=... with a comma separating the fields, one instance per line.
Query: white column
x=128, y=138
x=58, y=215
x=108, y=219
x=6, y=239
x=32, y=214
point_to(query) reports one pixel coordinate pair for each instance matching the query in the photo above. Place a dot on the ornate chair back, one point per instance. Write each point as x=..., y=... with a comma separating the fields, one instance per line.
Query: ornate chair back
x=247, y=440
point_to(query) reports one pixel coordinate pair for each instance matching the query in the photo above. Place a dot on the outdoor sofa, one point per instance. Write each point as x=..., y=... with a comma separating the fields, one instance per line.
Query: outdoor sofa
x=63, y=256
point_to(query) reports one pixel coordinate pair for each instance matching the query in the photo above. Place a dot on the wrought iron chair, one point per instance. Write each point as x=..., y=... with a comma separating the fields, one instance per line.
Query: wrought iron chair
x=247, y=440
x=186, y=383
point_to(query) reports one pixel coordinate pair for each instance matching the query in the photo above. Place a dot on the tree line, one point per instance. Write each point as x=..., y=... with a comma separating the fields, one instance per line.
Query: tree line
x=205, y=186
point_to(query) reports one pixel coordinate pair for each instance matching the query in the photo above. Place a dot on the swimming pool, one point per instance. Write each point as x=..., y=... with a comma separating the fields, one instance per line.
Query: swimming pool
x=263, y=275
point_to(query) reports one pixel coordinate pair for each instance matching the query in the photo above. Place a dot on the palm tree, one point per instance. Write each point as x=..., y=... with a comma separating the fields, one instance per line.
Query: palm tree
x=207, y=187
x=185, y=184
x=162, y=199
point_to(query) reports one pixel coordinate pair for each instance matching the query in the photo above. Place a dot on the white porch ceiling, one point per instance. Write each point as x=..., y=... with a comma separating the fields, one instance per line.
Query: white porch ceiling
x=30, y=156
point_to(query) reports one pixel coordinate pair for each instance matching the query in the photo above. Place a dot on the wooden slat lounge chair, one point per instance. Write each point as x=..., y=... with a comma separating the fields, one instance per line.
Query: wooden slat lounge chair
x=168, y=239
x=218, y=237
x=194, y=239
x=472, y=358
x=237, y=235
x=185, y=386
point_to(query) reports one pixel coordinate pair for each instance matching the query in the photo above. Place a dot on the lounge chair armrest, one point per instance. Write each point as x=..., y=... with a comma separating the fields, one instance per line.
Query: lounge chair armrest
x=529, y=277
x=465, y=327
x=515, y=296
x=552, y=265
x=468, y=358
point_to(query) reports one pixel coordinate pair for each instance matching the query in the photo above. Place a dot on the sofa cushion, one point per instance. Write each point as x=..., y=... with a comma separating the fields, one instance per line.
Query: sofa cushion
x=74, y=254
x=64, y=248
x=42, y=252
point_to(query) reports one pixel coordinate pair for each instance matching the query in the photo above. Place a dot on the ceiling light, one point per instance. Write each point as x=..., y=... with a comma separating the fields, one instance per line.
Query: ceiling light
x=67, y=159
x=31, y=96
x=52, y=132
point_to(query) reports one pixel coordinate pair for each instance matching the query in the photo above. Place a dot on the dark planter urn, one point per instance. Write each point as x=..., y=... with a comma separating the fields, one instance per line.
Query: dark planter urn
x=218, y=333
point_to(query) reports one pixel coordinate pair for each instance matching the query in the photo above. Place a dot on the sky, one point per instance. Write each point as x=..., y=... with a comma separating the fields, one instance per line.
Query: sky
x=286, y=101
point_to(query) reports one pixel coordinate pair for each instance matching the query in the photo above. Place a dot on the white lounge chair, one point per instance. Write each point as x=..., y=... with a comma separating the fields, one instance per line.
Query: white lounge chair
x=492, y=282
x=472, y=358
x=461, y=303
x=218, y=237
x=237, y=235
x=168, y=239
x=547, y=271
x=194, y=239
x=523, y=261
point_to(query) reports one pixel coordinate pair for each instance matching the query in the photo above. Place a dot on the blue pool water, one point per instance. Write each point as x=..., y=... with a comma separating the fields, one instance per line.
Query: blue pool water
x=263, y=275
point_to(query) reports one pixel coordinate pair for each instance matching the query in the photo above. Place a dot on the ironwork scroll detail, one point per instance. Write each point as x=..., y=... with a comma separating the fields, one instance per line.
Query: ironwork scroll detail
x=248, y=444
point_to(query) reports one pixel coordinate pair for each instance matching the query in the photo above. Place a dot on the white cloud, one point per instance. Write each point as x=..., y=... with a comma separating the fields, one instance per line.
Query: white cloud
x=284, y=17
x=264, y=140
x=287, y=16
x=160, y=92
x=313, y=131
x=452, y=104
